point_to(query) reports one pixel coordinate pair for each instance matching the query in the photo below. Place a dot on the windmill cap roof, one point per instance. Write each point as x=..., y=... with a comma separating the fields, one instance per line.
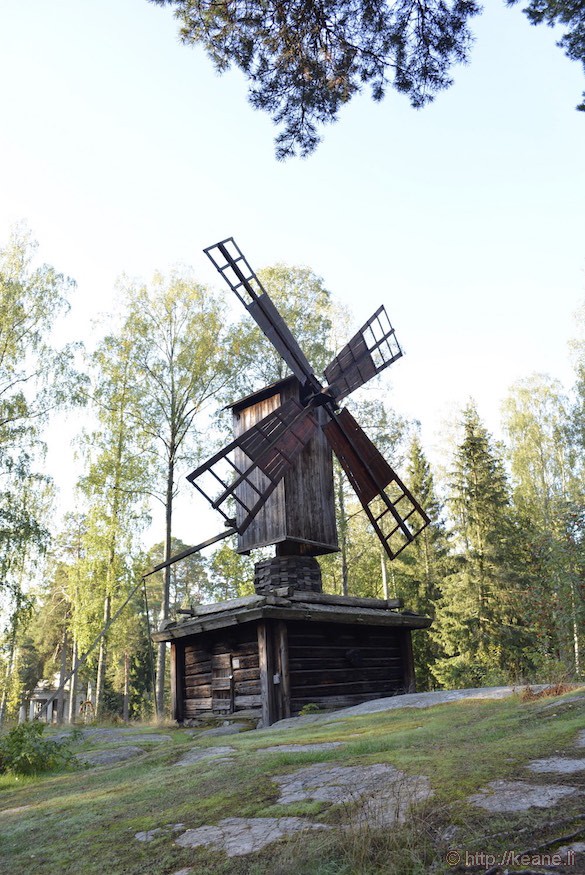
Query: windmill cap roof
x=261, y=394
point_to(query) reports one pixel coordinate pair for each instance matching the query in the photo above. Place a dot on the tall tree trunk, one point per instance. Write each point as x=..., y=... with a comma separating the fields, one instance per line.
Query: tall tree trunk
x=575, y=624
x=342, y=533
x=164, y=608
x=62, y=676
x=73, y=684
x=8, y=678
x=384, y=572
x=102, y=661
x=126, y=711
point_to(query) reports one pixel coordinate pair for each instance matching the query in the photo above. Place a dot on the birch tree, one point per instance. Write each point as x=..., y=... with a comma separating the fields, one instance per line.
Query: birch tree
x=178, y=332
x=548, y=493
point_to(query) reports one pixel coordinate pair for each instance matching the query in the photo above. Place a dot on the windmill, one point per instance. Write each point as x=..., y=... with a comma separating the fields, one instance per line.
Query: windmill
x=291, y=644
x=247, y=471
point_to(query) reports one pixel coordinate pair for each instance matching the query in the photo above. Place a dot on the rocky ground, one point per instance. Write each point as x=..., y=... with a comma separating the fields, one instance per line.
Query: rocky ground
x=380, y=794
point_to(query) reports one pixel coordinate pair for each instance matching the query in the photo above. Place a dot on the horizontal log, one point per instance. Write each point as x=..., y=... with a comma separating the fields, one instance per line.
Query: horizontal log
x=324, y=652
x=197, y=692
x=193, y=660
x=361, y=637
x=227, y=648
x=224, y=660
x=221, y=683
x=349, y=687
x=348, y=601
x=304, y=675
x=198, y=704
x=246, y=662
x=251, y=688
x=246, y=674
x=198, y=667
x=248, y=701
x=311, y=664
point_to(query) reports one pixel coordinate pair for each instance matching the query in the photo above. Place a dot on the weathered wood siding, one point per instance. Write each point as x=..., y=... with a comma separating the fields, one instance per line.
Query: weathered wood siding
x=308, y=488
x=335, y=665
x=269, y=526
x=221, y=672
x=301, y=508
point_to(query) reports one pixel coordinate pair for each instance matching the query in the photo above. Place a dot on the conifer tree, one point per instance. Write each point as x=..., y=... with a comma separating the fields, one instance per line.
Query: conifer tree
x=475, y=621
x=420, y=569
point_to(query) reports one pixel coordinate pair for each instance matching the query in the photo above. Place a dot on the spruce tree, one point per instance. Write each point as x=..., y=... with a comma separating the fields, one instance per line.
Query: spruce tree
x=476, y=619
x=420, y=569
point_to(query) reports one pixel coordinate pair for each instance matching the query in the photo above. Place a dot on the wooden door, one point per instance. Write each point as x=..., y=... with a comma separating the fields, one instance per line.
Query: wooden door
x=222, y=683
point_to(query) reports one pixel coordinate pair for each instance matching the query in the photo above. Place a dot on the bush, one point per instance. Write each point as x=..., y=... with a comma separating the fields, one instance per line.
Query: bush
x=24, y=751
x=310, y=708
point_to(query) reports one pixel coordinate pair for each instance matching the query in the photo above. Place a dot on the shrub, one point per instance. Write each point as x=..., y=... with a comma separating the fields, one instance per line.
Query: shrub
x=24, y=751
x=310, y=708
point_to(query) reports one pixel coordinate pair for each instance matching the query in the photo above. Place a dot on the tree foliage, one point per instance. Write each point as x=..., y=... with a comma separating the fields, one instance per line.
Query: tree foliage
x=475, y=623
x=36, y=378
x=550, y=502
x=179, y=343
x=305, y=59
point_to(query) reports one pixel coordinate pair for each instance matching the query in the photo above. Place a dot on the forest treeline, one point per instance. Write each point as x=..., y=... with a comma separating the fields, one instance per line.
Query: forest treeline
x=501, y=568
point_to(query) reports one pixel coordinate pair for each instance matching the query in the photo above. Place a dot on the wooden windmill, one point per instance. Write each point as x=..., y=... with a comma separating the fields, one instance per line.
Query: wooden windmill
x=292, y=644
x=277, y=472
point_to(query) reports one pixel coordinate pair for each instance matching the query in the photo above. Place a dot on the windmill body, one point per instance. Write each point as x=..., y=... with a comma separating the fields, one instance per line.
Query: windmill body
x=299, y=515
x=291, y=644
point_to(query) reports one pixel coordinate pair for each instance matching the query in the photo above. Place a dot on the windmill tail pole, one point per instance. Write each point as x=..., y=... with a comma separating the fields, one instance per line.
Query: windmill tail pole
x=81, y=662
x=190, y=550
x=87, y=654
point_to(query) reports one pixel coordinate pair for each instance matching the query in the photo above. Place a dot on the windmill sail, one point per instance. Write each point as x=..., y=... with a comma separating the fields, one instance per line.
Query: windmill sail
x=394, y=513
x=372, y=349
x=234, y=268
x=249, y=469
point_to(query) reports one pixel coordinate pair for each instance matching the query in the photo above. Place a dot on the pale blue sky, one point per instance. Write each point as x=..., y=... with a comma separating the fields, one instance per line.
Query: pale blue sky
x=124, y=151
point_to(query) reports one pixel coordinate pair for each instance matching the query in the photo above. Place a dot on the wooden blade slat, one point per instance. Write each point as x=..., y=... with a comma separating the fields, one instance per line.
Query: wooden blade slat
x=257, y=460
x=370, y=472
x=264, y=312
x=369, y=352
x=376, y=485
x=236, y=271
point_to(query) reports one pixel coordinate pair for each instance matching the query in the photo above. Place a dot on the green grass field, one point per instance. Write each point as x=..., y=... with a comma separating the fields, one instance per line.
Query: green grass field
x=84, y=821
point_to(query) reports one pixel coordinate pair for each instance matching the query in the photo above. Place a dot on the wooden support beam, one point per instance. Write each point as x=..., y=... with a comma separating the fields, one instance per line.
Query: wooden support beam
x=177, y=680
x=283, y=667
x=265, y=653
x=407, y=661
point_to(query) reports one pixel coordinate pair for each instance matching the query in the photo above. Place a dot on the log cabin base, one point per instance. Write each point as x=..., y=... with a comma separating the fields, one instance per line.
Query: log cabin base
x=284, y=648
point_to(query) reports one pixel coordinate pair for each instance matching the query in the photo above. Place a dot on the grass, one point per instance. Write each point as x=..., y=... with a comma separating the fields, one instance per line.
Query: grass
x=84, y=821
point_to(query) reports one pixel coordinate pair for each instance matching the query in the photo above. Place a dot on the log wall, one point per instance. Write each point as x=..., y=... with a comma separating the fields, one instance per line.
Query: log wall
x=336, y=665
x=221, y=672
x=278, y=666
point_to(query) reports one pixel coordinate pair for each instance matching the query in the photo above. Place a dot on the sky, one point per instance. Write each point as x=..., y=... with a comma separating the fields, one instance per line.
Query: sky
x=126, y=153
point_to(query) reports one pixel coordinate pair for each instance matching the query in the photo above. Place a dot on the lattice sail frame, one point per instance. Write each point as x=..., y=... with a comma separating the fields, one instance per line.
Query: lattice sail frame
x=372, y=349
x=250, y=468
x=236, y=271
x=395, y=514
